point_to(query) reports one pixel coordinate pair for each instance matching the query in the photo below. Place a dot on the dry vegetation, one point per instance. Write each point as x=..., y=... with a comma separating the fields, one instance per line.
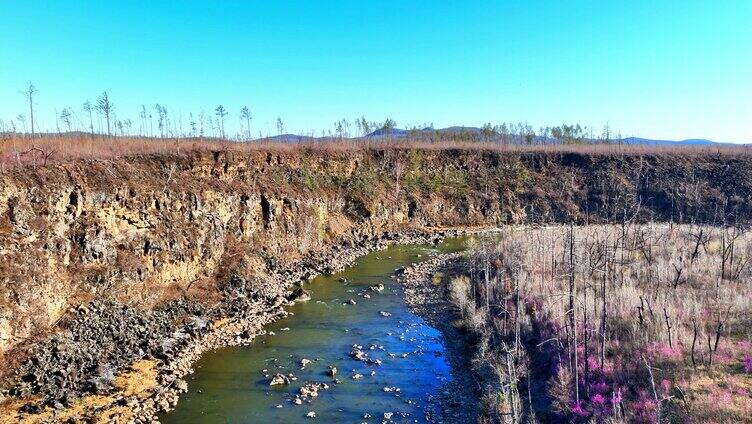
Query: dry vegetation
x=617, y=323
x=18, y=150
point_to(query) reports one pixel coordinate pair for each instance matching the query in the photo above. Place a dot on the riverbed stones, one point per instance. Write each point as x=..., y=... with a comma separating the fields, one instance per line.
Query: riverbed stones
x=98, y=340
x=332, y=371
x=279, y=380
x=311, y=390
x=358, y=354
x=180, y=385
x=299, y=295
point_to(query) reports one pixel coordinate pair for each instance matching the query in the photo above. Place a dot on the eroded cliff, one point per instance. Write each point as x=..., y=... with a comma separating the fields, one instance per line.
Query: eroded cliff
x=145, y=230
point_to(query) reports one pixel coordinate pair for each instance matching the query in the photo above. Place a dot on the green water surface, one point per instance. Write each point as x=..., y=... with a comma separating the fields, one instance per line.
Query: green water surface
x=231, y=385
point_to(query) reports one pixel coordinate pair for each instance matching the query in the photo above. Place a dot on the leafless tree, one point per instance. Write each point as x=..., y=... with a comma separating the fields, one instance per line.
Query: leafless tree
x=221, y=113
x=65, y=116
x=29, y=94
x=105, y=107
x=245, y=114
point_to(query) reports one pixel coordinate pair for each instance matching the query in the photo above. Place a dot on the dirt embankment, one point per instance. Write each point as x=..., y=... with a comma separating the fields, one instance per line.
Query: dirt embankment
x=150, y=232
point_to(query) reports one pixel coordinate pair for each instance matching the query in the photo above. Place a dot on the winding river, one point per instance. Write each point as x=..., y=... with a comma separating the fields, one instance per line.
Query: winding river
x=232, y=385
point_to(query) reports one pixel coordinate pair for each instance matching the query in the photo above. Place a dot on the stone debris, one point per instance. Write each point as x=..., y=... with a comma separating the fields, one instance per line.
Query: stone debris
x=311, y=390
x=100, y=339
x=279, y=380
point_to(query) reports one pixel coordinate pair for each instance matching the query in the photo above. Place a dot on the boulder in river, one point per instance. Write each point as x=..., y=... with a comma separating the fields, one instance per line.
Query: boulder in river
x=299, y=295
x=358, y=354
x=311, y=390
x=279, y=380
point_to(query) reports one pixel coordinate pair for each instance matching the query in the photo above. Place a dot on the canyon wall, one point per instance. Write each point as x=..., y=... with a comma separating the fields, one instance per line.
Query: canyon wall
x=143, y=230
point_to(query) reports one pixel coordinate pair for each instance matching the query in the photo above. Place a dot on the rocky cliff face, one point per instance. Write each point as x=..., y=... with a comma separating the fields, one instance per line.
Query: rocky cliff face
x=145, y=230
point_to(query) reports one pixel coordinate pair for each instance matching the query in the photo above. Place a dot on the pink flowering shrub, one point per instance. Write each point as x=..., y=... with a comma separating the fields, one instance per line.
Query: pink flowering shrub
x=748, y=364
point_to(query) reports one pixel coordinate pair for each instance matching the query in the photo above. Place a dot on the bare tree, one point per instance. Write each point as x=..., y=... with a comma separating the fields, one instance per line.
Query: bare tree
x=105, y=107
x=87, y=109
x=143, y=115
x=65, y=116
x=21, y=118
x=221, y=113
x=192, y=123
x=161, y=119
x=245, y=114
x=280, y=126
x=29, y=94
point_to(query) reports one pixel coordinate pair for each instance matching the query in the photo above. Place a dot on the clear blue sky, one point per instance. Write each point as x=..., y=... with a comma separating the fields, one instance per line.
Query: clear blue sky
x=660, y=69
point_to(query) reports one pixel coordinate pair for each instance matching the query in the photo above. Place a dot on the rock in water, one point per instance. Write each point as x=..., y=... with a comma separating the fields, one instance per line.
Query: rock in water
x=279, y=380
x=299, y=295
x=311, y=390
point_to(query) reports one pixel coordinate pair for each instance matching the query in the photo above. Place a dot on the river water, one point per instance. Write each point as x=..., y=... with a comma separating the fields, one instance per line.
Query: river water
x=231, y=385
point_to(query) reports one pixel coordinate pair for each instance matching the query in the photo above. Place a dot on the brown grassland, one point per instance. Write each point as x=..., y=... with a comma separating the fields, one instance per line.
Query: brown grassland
x=612, y=323
x=18, y=150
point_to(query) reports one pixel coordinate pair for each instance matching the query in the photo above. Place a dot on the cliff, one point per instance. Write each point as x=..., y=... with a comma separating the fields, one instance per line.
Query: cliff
x=145, y=230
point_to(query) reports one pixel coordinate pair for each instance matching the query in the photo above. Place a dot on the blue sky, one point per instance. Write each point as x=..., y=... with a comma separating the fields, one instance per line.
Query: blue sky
x=660, y=69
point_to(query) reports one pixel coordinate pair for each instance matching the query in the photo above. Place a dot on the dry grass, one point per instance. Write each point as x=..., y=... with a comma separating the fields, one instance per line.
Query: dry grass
x=18, y=150
x=137, y=383
x=670, y=341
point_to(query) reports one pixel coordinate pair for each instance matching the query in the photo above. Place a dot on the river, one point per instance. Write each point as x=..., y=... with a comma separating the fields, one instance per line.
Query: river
x=231, y=385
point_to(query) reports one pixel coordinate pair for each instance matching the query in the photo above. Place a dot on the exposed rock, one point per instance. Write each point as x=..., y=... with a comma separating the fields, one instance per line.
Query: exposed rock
x=311, y=390
x=377, y=288
x=279, y=380
x=180, y=385
x=332, y=371
x=299, y=295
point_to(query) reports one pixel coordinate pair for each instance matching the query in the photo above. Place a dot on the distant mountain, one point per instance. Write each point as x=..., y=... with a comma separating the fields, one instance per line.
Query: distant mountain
x=687, y=142
x=395, y=132
x=289, y=138
x=475, y=131
x=400, y=133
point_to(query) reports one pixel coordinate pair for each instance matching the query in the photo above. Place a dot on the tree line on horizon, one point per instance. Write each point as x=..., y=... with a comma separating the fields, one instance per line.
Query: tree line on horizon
x=100, y=117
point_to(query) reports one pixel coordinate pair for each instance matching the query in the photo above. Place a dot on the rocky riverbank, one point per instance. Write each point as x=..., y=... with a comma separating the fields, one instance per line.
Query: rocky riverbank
x=83, y=371
x=426, y=295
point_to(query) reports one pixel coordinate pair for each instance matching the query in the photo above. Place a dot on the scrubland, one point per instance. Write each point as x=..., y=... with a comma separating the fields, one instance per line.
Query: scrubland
x=24, y=150
x=611, y=323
